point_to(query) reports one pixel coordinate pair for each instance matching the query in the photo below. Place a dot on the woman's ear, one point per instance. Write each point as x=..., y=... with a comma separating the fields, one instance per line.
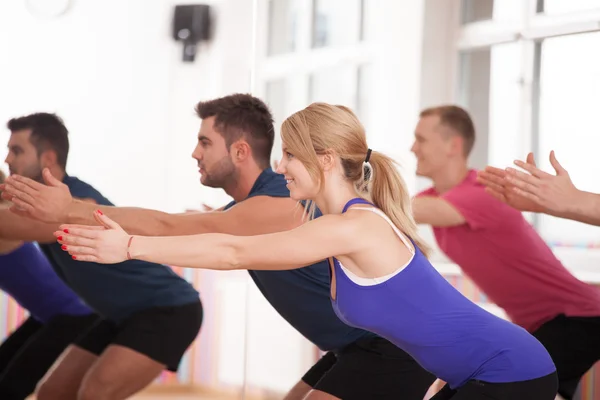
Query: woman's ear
x=327, y=160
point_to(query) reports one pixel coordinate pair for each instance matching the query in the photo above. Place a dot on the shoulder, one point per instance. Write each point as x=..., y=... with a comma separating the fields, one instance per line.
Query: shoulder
x=427, y=192
x=273, y=185
x=84, y=190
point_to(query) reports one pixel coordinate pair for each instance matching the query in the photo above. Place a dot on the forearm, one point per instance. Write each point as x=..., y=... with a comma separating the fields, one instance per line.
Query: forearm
x=585, y=208
x=14, y=227
x=137, y=221
x=208, y=251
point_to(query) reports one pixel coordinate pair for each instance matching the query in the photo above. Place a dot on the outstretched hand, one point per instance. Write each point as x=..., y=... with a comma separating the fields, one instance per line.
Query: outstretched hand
x=555, y=193
x=105, y=244
x=31, y=199
x=497, y=184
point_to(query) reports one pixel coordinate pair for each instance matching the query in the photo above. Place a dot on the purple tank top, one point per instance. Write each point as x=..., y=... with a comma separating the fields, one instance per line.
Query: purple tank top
x=447, y=334
x=27, y=276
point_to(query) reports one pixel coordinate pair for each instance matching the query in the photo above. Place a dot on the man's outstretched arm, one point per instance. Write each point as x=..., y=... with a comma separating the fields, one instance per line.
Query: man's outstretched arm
x=53, y=203
x=254, y=216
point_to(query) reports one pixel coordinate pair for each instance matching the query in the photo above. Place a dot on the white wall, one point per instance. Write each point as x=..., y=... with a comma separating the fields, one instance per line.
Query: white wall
x=112, y=71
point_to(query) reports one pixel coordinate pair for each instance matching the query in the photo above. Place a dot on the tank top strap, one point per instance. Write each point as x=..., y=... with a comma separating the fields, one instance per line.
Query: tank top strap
x=356, y=200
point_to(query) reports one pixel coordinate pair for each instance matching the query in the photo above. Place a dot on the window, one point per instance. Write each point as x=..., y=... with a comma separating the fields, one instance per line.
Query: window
x=534, y=87
x=317, y=50
x=337, y=85
x=335, y=24
x=498, y=10
x=568, y=121
x=567, y=6
x=490, y=89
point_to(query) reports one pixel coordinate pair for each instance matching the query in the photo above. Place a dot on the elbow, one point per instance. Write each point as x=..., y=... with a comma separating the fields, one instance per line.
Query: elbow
x=236, y=256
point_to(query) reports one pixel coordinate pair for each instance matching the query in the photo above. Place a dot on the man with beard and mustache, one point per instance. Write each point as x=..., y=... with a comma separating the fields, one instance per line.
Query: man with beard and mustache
x=148, y=314
x=233, y=153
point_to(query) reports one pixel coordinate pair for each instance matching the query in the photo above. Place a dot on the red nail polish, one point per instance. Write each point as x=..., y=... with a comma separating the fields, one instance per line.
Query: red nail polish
x=63, y=247
x=60, y=238
x=65, y=230
x=74, y=258
x=100, y=212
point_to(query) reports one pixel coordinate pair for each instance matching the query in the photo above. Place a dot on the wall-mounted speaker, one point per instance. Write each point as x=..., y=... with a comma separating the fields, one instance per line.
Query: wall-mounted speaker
x=191, y=25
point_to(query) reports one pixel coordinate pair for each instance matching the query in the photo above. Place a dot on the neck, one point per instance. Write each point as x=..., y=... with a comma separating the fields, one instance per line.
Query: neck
x=332, y=199
x=451, y=176
x=239, y=188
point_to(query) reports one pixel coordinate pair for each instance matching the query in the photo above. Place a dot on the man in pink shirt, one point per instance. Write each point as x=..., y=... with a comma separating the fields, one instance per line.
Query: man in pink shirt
x=500, y=251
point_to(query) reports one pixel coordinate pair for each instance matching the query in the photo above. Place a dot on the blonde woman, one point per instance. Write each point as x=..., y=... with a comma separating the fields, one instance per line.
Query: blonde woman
x=381, y=279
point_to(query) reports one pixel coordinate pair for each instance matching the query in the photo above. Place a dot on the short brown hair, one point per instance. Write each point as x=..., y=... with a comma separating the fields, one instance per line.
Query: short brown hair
x=457, y=119
x=242, y=115
x=48, y=132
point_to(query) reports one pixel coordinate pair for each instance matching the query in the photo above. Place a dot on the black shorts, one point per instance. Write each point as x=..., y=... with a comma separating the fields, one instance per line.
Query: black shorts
x=28, y=353
x=371, y=368
x=543, y=388
x=160, y=333
x=574, y=345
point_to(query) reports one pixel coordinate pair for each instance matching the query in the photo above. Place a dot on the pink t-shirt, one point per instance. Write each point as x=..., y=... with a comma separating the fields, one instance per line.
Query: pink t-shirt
x=503, y=255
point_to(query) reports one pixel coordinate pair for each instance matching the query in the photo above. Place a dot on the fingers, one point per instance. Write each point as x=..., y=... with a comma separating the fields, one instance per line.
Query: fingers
x=522, y=180
x=532, y=169
x=18, y=188
x=89, y=227
x=21, y=181
x=496, y=194
x=22, y=197
x=499, y=172
x=105, y=221
x=79, y=250
x=88, y=258
x=50, y=179
x=81, y=232
x=531, y=159
x=499, y=188
x=72, y=240
x=556, y=165
x=6, y=196
x=526, y=194
x=491, y=178
x=17, y=210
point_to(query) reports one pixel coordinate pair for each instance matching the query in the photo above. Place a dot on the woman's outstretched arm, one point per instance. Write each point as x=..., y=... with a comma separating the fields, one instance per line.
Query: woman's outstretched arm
x=327, y=236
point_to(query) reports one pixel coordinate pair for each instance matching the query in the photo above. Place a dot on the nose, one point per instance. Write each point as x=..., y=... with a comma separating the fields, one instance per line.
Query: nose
x=280, y=166
x=8, y=159
x=197, y=153
x=413, y=148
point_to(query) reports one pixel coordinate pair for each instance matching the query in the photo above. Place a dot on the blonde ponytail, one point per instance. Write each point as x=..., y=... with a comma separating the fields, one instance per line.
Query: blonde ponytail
x=389, y=193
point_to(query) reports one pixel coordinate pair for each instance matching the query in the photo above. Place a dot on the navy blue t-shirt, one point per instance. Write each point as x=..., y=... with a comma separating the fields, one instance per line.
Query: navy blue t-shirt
x=116, y=291
x=301, y=296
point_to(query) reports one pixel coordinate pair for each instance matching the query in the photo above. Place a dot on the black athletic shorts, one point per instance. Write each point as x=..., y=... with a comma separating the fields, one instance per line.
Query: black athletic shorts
x=161, y=333
x=372, y=368
x=543, y=388
x=29, y=351
x=574, y=345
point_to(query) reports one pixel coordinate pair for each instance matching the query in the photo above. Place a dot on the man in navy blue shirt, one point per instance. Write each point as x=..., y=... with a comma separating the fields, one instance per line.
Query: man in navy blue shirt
x=149, y=315
x=233, y=153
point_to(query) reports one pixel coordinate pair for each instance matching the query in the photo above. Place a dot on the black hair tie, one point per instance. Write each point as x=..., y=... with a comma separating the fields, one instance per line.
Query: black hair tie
x=368, y=156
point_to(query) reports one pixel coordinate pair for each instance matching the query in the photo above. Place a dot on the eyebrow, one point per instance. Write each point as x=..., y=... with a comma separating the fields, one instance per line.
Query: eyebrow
x=202, y=137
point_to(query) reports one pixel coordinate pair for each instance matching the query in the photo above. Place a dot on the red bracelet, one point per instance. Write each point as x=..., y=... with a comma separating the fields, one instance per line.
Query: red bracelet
x=128, y=246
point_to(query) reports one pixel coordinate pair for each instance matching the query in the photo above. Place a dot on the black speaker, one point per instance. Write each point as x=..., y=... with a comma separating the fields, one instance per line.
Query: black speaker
x=191, y=25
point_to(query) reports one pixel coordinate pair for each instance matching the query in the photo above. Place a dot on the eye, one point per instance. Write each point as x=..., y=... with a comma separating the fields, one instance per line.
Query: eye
x=289, y=155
